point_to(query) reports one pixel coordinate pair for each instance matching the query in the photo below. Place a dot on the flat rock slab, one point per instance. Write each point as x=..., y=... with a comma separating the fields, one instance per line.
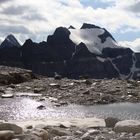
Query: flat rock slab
x=27, y=94
x=81, y=123
x=129, y=126
x=7, y=95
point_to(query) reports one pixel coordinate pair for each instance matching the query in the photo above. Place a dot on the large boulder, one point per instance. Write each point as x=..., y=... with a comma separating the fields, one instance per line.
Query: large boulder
x=9, y=75
x=110, y=121
x=6, y=135
x=40, y=134
x=13, y=127
x=129, y=126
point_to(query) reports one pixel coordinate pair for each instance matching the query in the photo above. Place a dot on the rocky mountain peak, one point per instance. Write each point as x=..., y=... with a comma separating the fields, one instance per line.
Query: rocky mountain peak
x=89, y=26
x=10, y=41
x=71, y=27
x=29, y=43
x=94, y=37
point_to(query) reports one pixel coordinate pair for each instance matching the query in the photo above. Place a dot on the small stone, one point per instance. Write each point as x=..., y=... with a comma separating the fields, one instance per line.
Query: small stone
x=101, y=138
x=88, y=81
x=57, y=77
x=64, y=138
x=6, y=135
x=12, y=86
x=62, y=103
x=54, y=85
x=41, y=107
x=93, y=132
x=78, y=132
x=62, y=126
x=38, y=90
x=86, y=136
x=28, y=88
x=42, y=99
x=29, y=127
x=7, y=95
x=57, y=104
x=32, y=137
x=86, y=92
x=71, y=84
x=59, y=132
x=13, y=127
x=110, y=121
x=52, y=99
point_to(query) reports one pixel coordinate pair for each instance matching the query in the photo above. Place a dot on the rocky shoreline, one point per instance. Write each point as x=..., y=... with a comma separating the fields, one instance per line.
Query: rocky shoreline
x=62, y=92
x=76, y=129
x=83, y=92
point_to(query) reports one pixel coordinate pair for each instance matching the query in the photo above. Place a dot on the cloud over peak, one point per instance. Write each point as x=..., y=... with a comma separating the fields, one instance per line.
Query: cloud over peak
x=38, y=18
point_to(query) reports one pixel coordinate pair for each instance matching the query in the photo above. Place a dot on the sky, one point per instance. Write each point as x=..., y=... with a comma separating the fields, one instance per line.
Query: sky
x=36, y=19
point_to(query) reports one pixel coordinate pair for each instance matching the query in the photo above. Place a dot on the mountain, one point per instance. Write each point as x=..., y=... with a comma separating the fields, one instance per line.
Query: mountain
x=89, y=51
x=10, y=41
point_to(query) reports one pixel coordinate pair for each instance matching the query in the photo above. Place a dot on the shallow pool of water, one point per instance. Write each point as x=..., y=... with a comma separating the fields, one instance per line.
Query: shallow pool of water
x=26, y=109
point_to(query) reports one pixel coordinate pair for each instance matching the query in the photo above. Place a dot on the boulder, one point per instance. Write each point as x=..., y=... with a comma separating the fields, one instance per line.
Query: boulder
x=110, y=121
x=9, y=75
x=41, y=134
x=13, y=127
x=87, y=137
x=6, y=135
x=129, y=126
x=58, y=132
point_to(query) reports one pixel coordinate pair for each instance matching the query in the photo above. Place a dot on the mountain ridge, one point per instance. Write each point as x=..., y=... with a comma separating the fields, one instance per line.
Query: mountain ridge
x=90, y=50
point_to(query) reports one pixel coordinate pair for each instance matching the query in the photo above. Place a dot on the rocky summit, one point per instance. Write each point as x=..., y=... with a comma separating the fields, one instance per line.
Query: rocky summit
x=90, y=51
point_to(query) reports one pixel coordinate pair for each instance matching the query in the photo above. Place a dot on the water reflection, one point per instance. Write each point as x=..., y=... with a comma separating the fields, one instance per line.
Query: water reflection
x=26, y=109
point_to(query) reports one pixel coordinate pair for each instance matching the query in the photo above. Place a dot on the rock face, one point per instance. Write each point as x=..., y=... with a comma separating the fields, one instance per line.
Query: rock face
x=89, y=51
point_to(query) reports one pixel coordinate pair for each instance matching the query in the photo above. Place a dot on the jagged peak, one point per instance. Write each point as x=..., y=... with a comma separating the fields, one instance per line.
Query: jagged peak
x=89, y=26
x=10, y=41
x=30, y=43
x=71, y=27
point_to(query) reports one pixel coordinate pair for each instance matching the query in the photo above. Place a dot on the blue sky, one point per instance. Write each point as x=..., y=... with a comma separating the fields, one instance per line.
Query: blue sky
x=95, y=3
x=118, y=35
x=36, y=19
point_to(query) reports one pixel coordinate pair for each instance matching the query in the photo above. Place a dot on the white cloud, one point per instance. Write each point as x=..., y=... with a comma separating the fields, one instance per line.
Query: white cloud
x=134, y=45
x=1, y=40
x=41, y=17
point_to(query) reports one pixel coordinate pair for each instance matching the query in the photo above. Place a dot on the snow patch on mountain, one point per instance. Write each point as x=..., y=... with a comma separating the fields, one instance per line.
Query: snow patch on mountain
x=101, y=59
x=134, y=69
x=90, y=37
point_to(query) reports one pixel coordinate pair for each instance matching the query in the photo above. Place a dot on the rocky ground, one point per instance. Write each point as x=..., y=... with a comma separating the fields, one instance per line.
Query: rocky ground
x=84, y=91
x=63, y=91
